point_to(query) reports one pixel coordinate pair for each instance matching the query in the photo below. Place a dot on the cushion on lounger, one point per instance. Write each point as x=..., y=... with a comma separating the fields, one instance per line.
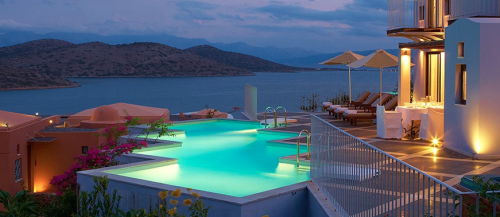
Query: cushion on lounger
x=351, y=112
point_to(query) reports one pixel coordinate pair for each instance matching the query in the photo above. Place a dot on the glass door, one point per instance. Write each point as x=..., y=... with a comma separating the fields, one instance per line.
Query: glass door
x=435, y=76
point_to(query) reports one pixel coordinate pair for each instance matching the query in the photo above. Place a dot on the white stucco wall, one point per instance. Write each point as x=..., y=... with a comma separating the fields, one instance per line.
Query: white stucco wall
x=473, y=127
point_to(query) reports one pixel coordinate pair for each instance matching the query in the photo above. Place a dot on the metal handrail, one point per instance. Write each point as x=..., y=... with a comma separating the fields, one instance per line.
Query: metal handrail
x=281, y=107
x=308, y=145
x=265, y=117
x=391, y=157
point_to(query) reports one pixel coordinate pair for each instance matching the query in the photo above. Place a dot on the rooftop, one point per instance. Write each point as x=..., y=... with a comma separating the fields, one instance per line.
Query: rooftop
x=71, y=129
x=15, y=119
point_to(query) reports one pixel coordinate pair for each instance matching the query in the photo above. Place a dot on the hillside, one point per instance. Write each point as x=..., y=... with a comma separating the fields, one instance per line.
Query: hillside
x=12, y=79
x=11, y=37
x=247, y=62
x=95, y=59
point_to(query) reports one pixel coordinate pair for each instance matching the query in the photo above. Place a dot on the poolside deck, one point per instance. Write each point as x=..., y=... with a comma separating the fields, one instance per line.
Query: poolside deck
x=442, y=163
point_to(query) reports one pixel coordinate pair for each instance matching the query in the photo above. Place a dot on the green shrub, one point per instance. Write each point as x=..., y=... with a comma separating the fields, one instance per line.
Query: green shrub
x=21, y=205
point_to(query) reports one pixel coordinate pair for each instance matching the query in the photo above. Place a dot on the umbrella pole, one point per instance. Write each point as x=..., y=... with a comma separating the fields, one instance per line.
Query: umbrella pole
x=350, y=92
x=380, y=84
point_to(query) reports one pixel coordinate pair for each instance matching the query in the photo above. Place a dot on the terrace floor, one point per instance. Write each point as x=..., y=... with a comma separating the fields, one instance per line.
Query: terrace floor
x=442, y=163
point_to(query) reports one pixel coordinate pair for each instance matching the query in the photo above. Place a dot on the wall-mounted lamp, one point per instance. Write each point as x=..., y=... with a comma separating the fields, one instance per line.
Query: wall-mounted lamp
x=435, y=142
x=50, y=122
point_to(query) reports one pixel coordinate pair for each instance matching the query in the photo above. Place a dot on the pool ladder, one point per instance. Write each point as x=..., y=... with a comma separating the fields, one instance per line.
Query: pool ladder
x=275, y=116
x=308, y=146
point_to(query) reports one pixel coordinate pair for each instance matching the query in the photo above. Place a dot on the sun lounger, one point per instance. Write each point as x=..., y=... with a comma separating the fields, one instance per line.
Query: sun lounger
x=373, y=107
x=353, y=118
x=361, y=97
x=339, y=111
x=358, y=101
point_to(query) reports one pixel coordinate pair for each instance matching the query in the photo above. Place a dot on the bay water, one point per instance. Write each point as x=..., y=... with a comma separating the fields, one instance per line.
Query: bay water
x=189, y=94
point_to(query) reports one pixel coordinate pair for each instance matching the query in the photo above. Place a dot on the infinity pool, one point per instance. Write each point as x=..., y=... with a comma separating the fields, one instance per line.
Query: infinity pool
x=225, y=157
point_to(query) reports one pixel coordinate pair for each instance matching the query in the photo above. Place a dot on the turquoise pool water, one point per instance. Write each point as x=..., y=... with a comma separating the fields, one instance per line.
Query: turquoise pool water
x=225, y=157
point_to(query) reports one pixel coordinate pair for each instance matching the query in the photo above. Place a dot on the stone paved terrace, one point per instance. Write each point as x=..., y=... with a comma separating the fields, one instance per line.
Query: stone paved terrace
x=444, y=164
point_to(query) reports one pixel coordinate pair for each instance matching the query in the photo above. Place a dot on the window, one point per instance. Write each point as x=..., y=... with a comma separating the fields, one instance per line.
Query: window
x=446, y=7
x=421, y=12
x=17, y=170
x=461, y=85
x=17, y=150
x=461, y=51
x=85, y=149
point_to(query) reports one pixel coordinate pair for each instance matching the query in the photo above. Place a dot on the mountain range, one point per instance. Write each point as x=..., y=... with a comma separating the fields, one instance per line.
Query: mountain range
x=297, y=57
x=271, y=53
x=54, y=60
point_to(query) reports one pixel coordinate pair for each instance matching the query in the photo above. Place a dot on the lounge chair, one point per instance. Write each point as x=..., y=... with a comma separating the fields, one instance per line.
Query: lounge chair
x=361, y=97
x=353, y=118
x=339, y=111
x=372, y=107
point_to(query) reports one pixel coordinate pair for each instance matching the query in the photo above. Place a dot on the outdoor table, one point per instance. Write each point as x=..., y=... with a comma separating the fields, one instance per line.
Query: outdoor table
x=410, y=115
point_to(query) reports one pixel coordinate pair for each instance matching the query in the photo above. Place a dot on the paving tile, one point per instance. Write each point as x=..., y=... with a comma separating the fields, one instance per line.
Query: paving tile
x=447, y=153
x=444, y=166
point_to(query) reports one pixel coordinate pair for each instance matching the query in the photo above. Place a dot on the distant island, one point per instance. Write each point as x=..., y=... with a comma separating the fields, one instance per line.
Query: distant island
x=46, y=63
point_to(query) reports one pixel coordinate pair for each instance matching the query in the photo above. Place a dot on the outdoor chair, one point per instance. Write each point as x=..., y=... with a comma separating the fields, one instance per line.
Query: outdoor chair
x=358, y=101
x=340, y=110
x=389, y=105
x=354, y=117
x=432, y=124
x=389, y=124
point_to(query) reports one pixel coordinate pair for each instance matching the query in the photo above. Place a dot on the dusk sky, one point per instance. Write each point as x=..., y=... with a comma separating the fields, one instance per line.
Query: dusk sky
x=320, y=25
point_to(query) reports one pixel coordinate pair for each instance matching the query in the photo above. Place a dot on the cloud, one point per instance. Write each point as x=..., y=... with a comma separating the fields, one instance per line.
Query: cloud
x=12, y=24
x=189, y=5
x=230, y=16
x=349, y=14
x=195, y=10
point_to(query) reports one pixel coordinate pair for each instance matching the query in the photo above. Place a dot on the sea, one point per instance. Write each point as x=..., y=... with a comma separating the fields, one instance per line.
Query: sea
x=188, y=94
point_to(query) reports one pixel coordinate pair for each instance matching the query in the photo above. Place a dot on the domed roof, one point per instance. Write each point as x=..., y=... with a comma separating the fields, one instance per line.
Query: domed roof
x=105, y=113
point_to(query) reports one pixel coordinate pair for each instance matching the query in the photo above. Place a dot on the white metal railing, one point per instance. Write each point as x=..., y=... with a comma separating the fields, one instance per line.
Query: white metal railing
x=361, y=180
x=407, y=14
x=434, y=14
x=474, y=8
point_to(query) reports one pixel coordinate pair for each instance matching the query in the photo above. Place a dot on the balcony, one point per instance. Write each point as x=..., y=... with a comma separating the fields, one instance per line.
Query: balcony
x=425, y=20
x=478, y=8
x=417, y=20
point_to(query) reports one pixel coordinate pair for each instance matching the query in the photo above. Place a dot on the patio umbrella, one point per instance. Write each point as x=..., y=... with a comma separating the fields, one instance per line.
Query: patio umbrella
x=378, y=59
x=344, y=59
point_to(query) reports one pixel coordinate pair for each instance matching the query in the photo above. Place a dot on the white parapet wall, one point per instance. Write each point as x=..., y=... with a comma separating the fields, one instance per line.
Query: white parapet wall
x=472, y=127
x=250, y=102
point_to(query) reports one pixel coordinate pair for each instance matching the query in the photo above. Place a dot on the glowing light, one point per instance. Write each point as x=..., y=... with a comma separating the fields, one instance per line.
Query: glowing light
x=50, y=121
x=434, y=151
x=36, y=114
x=244, y=131
x=478, y=146
x=435, y=142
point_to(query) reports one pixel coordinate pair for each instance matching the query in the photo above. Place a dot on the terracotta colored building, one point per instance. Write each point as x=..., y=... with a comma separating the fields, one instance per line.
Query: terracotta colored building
x=145, y=113
x=34, y=149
